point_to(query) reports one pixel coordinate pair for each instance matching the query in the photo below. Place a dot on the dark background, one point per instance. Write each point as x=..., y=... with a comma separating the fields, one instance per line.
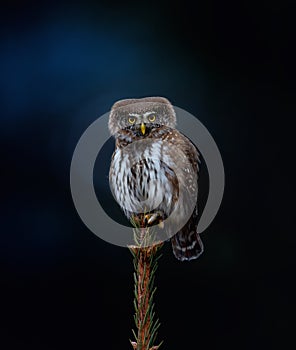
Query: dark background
x=63, y=64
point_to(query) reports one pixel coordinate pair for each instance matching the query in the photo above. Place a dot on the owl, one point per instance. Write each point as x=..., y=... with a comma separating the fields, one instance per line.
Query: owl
x=149, y=152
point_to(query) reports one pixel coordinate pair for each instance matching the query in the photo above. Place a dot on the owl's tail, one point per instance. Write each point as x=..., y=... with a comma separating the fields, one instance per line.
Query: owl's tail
x=187, y=245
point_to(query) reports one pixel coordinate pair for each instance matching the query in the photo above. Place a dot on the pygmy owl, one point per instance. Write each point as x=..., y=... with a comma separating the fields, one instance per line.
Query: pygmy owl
x=143, y=176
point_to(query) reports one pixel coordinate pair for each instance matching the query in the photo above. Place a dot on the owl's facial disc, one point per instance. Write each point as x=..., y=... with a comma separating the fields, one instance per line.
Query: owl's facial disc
x=139, y=122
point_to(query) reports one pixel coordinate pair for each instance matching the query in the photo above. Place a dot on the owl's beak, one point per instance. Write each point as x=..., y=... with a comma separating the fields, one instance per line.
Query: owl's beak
x=143, y=128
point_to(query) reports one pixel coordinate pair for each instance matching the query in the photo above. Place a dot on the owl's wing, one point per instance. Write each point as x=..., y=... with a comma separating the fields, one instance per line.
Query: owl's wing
x=186, y=243
x=191, y=151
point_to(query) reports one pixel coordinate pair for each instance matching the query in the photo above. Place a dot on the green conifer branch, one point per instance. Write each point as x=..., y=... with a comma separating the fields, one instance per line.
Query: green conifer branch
x=145, y=260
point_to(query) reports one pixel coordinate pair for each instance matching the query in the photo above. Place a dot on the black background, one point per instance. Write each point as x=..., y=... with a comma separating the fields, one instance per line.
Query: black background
x=63, y=64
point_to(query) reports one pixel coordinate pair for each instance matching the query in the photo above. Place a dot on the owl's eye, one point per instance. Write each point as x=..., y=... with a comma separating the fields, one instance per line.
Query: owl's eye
x=131, y=120
x=152, y=117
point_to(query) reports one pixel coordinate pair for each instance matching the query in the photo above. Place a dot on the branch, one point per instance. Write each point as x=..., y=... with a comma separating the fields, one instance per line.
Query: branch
x=145, y=265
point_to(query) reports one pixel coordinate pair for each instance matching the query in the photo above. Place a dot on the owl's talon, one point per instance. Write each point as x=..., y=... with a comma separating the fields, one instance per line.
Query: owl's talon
x=154, y=218
x=151, y=218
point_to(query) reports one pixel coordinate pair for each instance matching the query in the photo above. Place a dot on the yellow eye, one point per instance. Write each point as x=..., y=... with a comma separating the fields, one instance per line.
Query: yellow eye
x=152, y=117
x=131, y=120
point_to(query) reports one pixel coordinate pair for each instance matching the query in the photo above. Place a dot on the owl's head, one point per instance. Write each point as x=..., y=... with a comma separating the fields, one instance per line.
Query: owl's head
x=141, y=115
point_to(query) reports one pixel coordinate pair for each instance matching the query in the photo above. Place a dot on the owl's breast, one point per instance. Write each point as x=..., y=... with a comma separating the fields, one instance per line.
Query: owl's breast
x=142, y=181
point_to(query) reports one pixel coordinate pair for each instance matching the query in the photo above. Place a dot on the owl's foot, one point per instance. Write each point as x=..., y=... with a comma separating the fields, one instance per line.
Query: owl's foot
x=154, y=219
x=148, y=220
